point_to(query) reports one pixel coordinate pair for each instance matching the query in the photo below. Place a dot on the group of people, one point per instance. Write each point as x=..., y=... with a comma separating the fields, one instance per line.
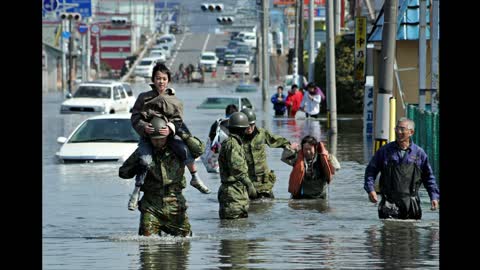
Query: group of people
x=298, y=100
x=166, y=147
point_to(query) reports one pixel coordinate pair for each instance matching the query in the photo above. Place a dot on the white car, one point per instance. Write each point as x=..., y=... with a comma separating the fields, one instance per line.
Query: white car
x=240, y=66
x=145, y=67
x=164, y=49
x=99, y=138
x=170, y=38
x=102, y=97
x=208, y=60
x=159, y=54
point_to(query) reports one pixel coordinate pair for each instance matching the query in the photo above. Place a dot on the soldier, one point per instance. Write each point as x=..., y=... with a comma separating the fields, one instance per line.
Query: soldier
x=163, y=206
x=255, y=153
x=236, y=187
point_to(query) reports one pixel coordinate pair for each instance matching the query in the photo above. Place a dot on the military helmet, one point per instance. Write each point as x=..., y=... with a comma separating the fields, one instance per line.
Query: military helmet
x=238, y=119
x=250, y=114
x=158, y=123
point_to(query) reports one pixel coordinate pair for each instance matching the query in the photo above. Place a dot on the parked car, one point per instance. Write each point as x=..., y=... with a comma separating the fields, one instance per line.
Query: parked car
x=96, y=97
x=145, y=67
x=208, y=60
x=99, y=138
x=220, y=102
x=130, y=96
x=241, y=66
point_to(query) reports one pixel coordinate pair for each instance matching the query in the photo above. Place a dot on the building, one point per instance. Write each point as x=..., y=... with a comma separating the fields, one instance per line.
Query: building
x=407, y=51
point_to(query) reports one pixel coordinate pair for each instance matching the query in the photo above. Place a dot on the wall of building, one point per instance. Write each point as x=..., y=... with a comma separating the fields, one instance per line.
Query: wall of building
x=407, y=57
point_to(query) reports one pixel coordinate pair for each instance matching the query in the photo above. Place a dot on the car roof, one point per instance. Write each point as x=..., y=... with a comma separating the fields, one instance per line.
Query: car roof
x=208, y=53
x=111, y=116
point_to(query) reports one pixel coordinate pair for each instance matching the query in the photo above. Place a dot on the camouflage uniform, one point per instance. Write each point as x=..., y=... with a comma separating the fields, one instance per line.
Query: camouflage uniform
x=233, y=194
x=255, y=153
x=162, y=207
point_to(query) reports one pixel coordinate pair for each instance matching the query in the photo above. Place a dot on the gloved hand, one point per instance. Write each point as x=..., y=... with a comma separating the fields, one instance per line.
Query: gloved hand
x=252, y=192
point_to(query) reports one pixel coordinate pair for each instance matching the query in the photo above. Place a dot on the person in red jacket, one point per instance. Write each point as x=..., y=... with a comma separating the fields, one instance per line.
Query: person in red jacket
x=293, y=101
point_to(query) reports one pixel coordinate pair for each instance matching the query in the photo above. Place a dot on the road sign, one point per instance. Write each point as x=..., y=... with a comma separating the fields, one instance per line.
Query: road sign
x=95, y=29
x=50, y=5
x=66, y=34
x=82, y=28
x=84, y=7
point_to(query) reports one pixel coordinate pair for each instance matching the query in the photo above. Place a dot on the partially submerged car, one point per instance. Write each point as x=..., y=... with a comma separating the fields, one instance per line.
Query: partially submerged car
x=99, y=138
x=220, y=102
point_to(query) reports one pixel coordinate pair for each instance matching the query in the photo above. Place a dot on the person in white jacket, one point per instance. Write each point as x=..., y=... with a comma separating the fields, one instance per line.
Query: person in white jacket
x=311, y=101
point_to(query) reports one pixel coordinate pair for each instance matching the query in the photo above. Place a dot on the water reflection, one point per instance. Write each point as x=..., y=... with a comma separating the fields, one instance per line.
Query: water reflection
x=398, y=245
x=312, y=128
x=239, y=253
x=164, y=256
x=319, y=205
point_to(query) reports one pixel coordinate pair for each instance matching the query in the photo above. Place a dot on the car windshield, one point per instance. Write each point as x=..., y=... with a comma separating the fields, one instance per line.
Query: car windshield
x=93, y=92
x=128, y=89
x=208, y=57
x=105, y=130
x=241, y=62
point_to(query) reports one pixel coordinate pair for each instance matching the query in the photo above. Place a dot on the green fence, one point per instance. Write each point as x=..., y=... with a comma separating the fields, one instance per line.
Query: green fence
x=427, y=134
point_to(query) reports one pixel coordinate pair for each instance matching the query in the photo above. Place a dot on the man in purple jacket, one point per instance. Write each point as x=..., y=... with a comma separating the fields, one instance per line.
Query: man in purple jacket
x=404, y=167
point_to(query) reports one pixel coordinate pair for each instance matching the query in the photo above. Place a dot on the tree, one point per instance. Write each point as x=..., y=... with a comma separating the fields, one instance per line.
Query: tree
x=349, y=97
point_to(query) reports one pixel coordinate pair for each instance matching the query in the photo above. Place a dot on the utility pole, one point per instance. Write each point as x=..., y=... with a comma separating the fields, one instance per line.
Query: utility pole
x=265, y=58
x=331, y=88
x=301, y=70
x=97, y=56
x=89, y=49
x=63, y=43
x=385, y=87
x=297, y=38
x=311, y=53
x=434, y=53
x=338, y=7
x=70, y=58
x=422, y=55
x=83, y=40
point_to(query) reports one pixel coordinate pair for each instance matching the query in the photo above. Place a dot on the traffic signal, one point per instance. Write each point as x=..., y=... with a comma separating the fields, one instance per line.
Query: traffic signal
x=70, y=16
x=211, y=7
x=225, y=20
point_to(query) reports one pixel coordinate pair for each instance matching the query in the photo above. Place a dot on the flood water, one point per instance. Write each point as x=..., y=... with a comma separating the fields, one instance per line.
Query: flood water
x=86, y=223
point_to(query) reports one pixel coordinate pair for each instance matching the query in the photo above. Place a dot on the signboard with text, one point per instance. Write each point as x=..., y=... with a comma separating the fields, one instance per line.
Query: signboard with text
x=360, y=49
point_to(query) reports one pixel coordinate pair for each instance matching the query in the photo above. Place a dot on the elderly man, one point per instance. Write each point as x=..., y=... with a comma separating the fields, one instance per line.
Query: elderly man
x=163, y=206
x=404, y=167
